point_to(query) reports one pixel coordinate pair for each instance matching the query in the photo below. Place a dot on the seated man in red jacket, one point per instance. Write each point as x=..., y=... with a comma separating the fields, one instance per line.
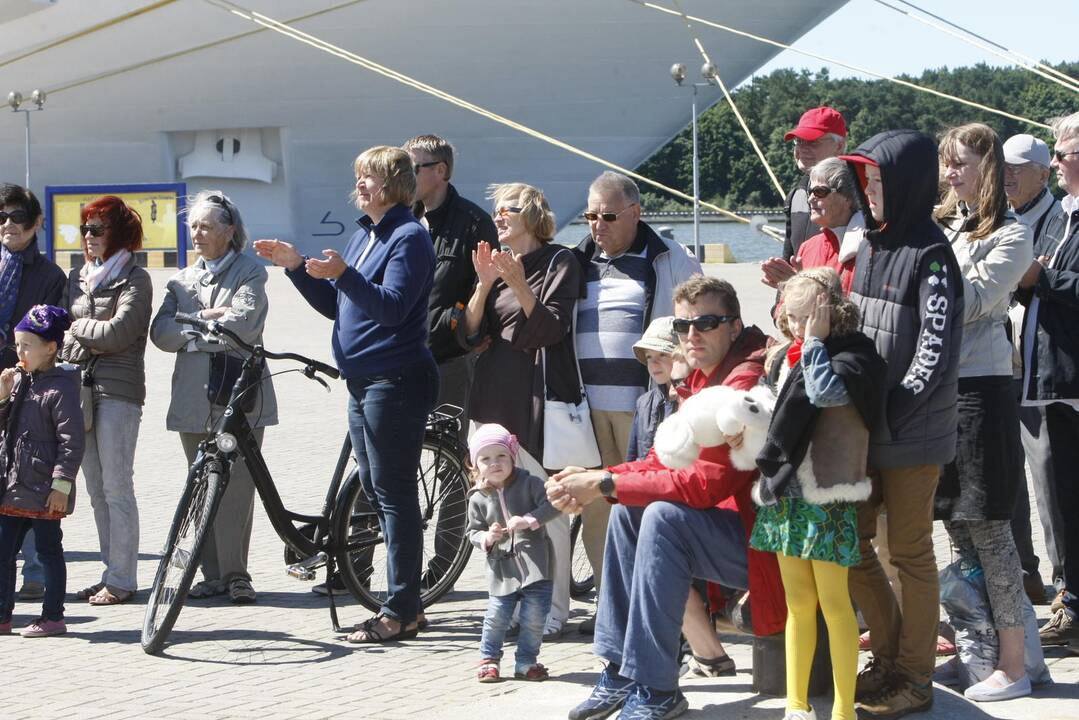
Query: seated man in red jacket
x=689, y=523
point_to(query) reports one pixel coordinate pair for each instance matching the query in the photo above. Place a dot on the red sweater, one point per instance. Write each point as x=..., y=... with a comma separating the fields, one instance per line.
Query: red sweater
x=711, y=481
x=823, y=250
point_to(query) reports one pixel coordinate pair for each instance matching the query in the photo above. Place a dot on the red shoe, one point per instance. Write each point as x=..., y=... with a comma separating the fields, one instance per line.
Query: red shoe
x=536, y=673
x=945, y=647
x=5, y=628
x=44, y=628
x=488, y=671
x=864, y=642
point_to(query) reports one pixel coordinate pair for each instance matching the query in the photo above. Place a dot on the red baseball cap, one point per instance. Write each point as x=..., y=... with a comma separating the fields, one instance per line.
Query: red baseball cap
x=817, y=123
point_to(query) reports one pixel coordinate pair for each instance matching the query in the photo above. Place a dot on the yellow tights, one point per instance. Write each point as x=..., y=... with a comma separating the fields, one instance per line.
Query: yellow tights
x=809, y=583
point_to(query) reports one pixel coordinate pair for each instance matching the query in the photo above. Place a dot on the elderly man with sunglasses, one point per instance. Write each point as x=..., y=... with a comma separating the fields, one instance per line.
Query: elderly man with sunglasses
x=631, y=273
x=821, y=133
x=668, y=527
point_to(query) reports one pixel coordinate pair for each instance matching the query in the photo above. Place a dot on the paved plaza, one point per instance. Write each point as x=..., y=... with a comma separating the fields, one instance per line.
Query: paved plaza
x=280, y=659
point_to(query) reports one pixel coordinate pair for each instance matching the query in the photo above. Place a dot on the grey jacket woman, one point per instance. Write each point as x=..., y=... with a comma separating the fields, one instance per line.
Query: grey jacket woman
x=238, y=283
x=111, y=324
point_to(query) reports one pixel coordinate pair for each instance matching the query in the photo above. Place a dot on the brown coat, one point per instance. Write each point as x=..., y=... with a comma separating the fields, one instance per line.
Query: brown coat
x=43, y=438
x=112, y=322
x=508, y=385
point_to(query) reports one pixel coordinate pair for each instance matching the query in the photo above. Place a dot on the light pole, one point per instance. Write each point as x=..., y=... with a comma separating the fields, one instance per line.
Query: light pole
x=678, y=74
x=14, y=99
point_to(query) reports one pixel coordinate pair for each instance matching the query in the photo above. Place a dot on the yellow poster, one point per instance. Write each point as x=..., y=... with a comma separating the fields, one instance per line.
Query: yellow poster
x=157, y=209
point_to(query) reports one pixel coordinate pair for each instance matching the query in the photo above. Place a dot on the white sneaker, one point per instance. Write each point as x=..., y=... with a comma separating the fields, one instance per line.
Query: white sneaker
x=998, y=687
x=801, y=715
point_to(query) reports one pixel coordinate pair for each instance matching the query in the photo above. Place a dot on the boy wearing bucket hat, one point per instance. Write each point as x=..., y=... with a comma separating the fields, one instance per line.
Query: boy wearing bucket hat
x=658, y=351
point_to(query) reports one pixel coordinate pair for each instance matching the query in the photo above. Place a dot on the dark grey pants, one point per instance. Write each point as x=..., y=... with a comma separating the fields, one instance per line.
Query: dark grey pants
x=1039, y=456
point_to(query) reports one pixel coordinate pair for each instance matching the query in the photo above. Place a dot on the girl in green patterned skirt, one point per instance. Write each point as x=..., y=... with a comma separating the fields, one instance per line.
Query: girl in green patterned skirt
x=828, y=380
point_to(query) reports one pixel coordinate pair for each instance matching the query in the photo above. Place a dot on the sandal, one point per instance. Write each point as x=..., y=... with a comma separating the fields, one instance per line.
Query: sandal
x=111, y=596
x=488, y=671
x=241, y=592
x=536, y=673
x=722, y=666
x=372, y=633
x=206, y=589
x=88, y=592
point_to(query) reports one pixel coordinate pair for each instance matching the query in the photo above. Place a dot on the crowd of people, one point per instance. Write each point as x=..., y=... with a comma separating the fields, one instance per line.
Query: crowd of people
x=924, y=324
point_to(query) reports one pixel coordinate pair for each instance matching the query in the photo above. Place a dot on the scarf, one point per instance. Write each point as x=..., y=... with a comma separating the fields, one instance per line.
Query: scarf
x=794, y=352
x=10, y=277
x=94, y=275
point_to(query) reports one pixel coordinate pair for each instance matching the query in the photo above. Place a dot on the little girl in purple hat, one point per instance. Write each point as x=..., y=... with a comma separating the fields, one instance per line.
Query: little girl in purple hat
x=41, y=446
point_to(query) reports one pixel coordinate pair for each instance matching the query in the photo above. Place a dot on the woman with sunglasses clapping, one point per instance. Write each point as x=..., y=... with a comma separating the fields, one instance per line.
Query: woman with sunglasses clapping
x=109, y=299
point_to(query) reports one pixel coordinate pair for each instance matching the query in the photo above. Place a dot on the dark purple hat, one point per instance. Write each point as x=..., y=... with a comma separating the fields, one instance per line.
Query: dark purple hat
x=46, y=321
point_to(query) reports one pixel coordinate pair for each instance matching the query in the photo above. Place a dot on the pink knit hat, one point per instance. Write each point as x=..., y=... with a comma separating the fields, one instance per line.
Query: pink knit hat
x=492, y=434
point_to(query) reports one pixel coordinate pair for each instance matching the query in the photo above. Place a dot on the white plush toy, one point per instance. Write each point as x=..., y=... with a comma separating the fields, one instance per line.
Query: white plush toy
x=705, y=418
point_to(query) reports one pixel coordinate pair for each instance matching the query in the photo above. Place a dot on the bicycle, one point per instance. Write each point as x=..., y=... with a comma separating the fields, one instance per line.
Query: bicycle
x=581, y=581
x=345, y=537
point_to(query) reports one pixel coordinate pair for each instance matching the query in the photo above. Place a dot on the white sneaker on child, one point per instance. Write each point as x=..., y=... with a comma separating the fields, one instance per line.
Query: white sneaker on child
x=998, y=687
x=810, y=714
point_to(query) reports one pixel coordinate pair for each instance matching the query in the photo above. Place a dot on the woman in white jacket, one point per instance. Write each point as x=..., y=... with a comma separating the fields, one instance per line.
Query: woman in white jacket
x=977, y=490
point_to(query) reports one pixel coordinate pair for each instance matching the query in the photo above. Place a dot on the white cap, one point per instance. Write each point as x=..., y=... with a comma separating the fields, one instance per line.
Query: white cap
x=1023, y=149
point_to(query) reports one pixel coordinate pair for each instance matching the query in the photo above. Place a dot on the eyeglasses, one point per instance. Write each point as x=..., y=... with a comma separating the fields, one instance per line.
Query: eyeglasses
x=94, y=230
x=821, y=191
x=799, y=142
x=1060, y=154
x=19, y=217
x=592, y=215
x=418, y=166
x=505, y=210
x=703, y=323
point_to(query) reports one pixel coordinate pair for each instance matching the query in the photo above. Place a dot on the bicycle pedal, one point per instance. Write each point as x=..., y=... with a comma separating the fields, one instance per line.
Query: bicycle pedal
x=306, y=569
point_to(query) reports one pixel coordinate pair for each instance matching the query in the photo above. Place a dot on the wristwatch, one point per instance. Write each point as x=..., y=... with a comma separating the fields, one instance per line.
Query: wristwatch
x=606, y=485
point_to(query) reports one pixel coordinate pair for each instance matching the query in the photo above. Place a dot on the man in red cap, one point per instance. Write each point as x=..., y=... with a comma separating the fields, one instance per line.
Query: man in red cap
x=821, y=133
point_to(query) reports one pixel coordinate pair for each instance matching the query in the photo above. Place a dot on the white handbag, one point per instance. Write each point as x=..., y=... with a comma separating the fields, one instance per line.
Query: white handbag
x=568, y=437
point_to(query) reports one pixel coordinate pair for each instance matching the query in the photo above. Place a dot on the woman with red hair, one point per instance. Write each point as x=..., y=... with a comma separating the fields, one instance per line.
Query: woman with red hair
x=109, y=298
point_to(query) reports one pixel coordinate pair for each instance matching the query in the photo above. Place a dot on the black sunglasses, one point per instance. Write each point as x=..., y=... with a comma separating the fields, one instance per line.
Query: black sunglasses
x=418, y=166
x=703, y=323
x=94, y=230
x=1060, y=154
x=592, y=215
x=19, y=217
x=821, y=191
x=222, y=202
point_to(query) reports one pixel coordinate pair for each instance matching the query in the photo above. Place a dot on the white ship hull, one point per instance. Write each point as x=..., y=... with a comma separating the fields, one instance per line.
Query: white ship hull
x=593, y=73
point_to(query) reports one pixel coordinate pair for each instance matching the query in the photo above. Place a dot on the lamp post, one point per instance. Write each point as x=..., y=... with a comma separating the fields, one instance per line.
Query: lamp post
x=15, y=100
x=678, y=74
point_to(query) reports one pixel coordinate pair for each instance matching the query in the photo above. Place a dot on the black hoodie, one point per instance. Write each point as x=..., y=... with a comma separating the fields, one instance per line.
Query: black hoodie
x=908, y=287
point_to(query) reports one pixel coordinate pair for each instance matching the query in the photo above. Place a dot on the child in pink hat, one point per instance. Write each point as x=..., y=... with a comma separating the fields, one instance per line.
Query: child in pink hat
x=506, y=512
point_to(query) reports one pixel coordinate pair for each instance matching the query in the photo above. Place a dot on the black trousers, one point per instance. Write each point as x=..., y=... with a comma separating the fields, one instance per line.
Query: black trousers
x=1062, y=425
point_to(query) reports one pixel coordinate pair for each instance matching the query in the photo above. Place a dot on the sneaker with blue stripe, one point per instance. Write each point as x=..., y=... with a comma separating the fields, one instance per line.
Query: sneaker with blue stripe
x=608, y=695
x=648, y=704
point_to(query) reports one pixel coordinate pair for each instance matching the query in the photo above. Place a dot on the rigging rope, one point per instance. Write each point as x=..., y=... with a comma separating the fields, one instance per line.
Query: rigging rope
x=1025, y=60
x=840, y=63
x=1010, y=57
x=88, y=31
x=331, y=49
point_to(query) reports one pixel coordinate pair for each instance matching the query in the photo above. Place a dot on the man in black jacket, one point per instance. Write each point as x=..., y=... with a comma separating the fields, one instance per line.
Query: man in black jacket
x=821, y=133
x=909, y=289
x=457, y=226
x=1051, y=364
x=27, y=278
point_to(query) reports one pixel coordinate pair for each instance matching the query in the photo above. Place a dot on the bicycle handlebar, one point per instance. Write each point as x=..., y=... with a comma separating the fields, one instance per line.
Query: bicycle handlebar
x=213, y=327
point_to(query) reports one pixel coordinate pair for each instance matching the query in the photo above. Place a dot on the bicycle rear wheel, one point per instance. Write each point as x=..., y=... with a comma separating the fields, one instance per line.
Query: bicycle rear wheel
x=361, y=554
x=194, y=517
x=581, y=581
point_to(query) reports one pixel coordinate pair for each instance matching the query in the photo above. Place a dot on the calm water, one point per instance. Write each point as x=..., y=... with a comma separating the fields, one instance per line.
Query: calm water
x=747, y=244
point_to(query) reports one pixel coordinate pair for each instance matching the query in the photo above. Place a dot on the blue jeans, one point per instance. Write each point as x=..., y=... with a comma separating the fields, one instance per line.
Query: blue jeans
x=535, y=602
x=387, y=417
x=32, y=571
x=50, y=552
x=653, y=553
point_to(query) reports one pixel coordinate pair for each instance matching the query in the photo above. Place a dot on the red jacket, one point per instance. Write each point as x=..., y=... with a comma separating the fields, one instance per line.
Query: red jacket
x=711, y=481
x=823, y=250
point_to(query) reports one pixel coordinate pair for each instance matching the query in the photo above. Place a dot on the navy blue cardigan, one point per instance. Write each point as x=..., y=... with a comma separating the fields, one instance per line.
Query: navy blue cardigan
x=379, y=309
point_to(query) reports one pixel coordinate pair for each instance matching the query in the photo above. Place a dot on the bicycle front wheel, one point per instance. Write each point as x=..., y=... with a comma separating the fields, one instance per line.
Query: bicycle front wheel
x=194, y=517
x=361, y=554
